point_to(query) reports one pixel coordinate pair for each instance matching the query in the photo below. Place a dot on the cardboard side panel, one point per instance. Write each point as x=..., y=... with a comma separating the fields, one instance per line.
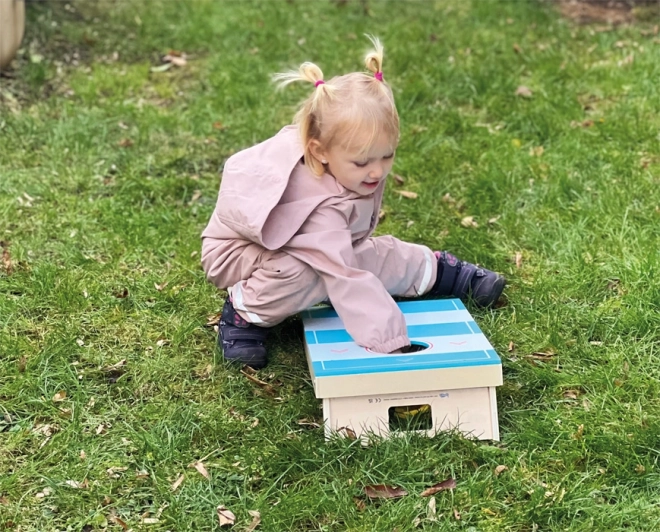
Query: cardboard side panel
x=472, y=411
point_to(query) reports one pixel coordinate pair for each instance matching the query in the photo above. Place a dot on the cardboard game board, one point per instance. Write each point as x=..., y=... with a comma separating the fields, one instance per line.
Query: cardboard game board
x=452, y=378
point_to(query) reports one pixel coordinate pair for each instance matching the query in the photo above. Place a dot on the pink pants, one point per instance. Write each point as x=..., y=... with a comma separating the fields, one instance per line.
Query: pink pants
x=269, y=286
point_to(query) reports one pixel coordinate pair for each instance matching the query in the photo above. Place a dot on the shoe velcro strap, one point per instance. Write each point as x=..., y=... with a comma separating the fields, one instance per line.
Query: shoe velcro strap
x=251, y=333
x=450, y=268
x=463, y=283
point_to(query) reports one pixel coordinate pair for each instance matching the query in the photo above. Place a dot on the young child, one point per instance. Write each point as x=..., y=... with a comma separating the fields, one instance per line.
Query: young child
x=293, y=222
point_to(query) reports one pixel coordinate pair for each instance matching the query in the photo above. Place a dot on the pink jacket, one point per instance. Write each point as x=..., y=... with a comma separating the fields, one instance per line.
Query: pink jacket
x=268, y=197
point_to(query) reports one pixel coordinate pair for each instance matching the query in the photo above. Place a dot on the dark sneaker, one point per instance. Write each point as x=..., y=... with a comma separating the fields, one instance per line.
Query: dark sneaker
x=240, y=340
x=465, y=280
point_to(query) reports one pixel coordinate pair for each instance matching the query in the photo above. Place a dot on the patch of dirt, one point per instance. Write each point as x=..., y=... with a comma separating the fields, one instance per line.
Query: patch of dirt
x=612, y=12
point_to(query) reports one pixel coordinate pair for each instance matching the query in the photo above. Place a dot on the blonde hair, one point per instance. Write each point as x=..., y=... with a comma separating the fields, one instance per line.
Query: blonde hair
x=344, y=106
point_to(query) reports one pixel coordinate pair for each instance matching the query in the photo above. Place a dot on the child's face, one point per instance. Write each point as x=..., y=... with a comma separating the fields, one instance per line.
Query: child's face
x=358, y=172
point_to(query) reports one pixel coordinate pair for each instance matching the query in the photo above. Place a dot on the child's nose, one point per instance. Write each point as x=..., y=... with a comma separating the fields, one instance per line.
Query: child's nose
x=377, y=171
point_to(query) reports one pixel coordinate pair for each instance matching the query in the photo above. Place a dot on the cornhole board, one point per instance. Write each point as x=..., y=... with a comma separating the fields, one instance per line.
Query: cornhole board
x=455, y=374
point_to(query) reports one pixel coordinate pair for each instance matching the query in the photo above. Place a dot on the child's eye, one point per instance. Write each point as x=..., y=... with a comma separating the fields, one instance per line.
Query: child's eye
x=359, y=164
x=389, y=156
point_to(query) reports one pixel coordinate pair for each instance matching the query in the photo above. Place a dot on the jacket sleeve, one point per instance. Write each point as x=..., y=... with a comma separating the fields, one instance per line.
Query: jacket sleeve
x=369, y=313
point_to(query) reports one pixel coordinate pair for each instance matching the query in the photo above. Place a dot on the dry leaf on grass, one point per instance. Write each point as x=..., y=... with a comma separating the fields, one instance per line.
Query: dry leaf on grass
x=6, y=258
x=468, y=221
x=524, y=92
x=59, y=396
x=201, y=469
x=518, y=259
x=382, y=491
x=536, y=151
x=407, y=194
x=176, y=58
x=115, y=367
x=256, y=519
x=571, y=394
x=77, y=485
x=212, y=319
x=264, y=385
x=178, y=482
x=500, y=469
x=457, y=515
x=359, y=504
x=447, y=484
x=512, y=346
x=114, y=518
x=381, y=214
x=347, y=432
x=225, y=516
x=398, y=179
x=545, y=357
x=307, y=423
x=125, y=143
x=160, y=287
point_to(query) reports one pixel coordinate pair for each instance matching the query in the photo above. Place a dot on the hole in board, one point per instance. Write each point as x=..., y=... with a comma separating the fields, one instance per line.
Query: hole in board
x=411, y=417
x=414, y=347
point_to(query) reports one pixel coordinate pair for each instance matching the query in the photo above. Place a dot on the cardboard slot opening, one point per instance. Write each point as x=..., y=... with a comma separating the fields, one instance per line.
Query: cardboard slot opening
x=415, y=347
x=410, y=417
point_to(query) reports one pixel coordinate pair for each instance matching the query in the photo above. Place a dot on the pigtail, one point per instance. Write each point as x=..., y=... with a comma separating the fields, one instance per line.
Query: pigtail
x=307, y=72
x=374, y=59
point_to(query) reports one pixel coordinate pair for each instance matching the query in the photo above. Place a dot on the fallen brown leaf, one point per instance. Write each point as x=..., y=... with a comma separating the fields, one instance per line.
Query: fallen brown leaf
x=121, y=294
x=225, y=516
x=500, y=469
x=382, y=491
x=125, y=143
x=179, y=61
x=359, y=504
x=347, y=432
x=579, y=432
x=571, y=394
x=212, y=319
x=160, y=287
x=511, y=347
x=307, y=423
x=114, y=518
x=448, y=484
x=6, y=258
x=264, y=385
x=524, y=92
x=381, y=214
x=256, y=519
x=398, y=179
x=519, y=259
x=537, y=151
x=545, y=357
x=201, y=469
x=178, y=482
x=116, y=367
x=516, y=48
x=22, y=364
x=219, y=126
x=59, y=396
x=407, y=194
x=468, y=222
x=457, y=515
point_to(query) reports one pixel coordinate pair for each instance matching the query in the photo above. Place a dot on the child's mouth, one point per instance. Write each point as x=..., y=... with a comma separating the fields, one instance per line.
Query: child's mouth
x=373, y=184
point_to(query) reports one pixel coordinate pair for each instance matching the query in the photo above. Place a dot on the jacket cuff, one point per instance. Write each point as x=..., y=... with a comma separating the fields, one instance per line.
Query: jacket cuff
x=391, y=345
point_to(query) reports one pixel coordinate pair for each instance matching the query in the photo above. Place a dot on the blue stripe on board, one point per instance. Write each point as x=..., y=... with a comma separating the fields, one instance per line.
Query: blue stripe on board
x=430, y=305
x=407, y=307
x=318, y=313
x=309, y=337
x=335, y=336
x=333, y=368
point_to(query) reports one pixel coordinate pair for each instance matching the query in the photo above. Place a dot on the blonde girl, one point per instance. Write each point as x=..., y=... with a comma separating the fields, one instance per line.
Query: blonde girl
x=294, y=221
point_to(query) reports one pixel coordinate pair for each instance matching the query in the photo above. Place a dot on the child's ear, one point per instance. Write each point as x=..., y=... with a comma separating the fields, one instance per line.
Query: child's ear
x=317, y=150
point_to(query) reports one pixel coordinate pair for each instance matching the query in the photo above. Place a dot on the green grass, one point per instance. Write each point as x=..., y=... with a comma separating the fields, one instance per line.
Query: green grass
x=92, y=227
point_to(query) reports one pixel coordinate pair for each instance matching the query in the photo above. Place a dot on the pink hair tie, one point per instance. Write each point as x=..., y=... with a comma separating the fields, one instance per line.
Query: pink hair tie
x=378, y=76
x=319, y=82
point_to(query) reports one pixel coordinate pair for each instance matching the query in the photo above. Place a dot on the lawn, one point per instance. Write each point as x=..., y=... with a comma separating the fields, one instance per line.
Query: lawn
x=533, y=146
